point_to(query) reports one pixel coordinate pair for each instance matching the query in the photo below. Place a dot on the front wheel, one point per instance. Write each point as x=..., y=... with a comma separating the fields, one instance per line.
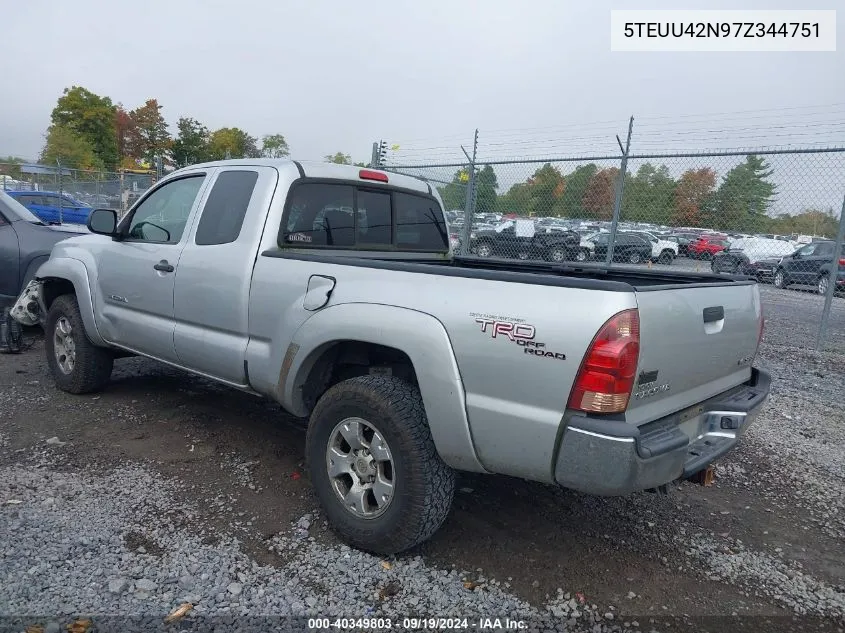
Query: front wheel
x=635, y=258
x=558, y=254
x=77, y=365
x=822, y=285
x=484, y=250
x=374, y=465
x=780, y=279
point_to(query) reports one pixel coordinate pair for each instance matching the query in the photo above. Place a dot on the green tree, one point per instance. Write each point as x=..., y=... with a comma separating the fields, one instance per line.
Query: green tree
x=486, y=184
x=744, y=197
x=191, y=145
x=338, y=158
x=232, y=142
x=10, y=167
x=151, y=129
x=274, y=146
x=454, y=194
x=70, y=148
x=92, y=117
x=808, y=222
x=517, y=199
x=571, y=203
x=649, y=195
x=546, y=188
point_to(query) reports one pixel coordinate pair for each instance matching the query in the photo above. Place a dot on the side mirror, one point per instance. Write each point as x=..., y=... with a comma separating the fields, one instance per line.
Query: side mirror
x=102, y=221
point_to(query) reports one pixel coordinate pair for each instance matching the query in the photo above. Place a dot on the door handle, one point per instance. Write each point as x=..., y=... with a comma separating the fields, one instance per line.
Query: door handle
x=164, y=267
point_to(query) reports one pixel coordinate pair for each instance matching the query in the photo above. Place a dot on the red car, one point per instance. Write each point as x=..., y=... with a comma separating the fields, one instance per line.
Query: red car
x=707, y=245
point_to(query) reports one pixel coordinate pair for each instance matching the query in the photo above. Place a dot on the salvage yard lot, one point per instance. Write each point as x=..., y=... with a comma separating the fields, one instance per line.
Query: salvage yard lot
x=135, y=506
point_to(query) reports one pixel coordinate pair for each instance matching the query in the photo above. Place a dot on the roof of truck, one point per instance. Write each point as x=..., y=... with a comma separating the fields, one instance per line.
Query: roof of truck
x=318, y=169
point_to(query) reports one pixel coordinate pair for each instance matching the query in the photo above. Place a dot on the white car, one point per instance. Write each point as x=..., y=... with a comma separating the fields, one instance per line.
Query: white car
x=662, y=251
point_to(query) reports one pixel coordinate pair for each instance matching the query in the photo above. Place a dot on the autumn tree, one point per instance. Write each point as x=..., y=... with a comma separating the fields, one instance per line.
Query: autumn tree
x=274, y=146
x=191, y=144
x=128, y=141
x=744, y=196
x=232, y=142
x=151, y=129
x=572, y=201
x=91, y=118
x=694, y=191
x=600, y=194
x=546, y=187
x=69, y=148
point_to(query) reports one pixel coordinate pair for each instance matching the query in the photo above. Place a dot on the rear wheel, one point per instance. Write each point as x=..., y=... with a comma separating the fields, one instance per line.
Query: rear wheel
x=780, y=279
x=558, y=254
x=77, y=365
x=666, y=258
x=706, y=256
x=822, y=285
x=582, y=255
x=635, y=258
x=374, y=465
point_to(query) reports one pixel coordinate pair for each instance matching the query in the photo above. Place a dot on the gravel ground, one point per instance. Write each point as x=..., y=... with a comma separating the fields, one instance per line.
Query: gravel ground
x=166, y=490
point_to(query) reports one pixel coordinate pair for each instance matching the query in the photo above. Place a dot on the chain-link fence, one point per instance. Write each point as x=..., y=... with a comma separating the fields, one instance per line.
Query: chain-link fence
x=60, y=194
x=771, y=214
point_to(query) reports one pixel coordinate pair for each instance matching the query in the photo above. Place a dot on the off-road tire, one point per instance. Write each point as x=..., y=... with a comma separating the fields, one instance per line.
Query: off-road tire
x=424, y=484
x=93, y=366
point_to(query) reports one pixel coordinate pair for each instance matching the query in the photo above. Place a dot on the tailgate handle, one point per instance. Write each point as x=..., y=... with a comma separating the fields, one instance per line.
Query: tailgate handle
x=713, y=313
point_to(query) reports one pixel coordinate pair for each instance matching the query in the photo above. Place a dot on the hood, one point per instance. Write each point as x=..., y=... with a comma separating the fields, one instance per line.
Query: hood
x=74, y=229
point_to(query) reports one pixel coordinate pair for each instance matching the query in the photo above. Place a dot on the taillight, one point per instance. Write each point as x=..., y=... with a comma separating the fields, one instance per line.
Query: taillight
x=842, y=262
x=606, y=375
x=369, y=174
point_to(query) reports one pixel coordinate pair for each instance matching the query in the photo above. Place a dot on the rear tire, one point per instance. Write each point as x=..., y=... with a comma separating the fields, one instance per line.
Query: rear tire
x=558, y=254
x=78, y=366
x=422, y=484
x=635, y=258
x=779, y=280
x=706, y=256
x=484, y=250
x=666, y=258
x=822, y=284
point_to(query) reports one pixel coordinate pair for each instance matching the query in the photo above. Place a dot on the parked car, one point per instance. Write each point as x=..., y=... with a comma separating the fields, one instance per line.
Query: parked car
x=662, y=251
x=682, y=240
x=25, y=244
x=349, y=311
x=53, y=207
x=706, y=246
x=755, y=256
x=520, y=238
x=629, y=247
x=810, y=266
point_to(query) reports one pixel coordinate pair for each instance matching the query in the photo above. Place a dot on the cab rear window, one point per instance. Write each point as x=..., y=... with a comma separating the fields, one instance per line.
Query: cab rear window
x=336, y=215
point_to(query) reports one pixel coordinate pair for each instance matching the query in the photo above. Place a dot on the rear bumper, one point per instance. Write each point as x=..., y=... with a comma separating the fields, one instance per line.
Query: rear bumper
x=615, y=458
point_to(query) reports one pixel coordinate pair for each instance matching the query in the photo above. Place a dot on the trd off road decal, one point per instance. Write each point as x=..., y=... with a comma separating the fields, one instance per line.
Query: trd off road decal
x=515, y=331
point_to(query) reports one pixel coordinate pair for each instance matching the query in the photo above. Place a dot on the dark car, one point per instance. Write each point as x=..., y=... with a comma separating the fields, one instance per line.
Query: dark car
x=810, y=266
x=53, y=207
x=629, y=247
x=755, y=256
x=521, y=239
x=682, y=240
x=25, y=244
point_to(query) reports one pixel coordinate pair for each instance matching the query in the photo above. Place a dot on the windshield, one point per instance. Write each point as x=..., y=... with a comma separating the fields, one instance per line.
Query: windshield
x=15, y=209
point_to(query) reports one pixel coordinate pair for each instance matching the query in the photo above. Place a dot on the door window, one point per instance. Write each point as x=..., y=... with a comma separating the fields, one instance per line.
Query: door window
x=224, y=212
x=163, y=215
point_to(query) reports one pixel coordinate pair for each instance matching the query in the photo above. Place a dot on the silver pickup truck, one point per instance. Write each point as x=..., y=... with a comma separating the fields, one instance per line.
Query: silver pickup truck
x=331, y=289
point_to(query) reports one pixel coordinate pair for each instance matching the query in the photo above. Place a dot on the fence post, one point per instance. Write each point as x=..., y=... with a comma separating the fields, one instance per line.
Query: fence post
x=620, y=188
x=59, y=165
x=832, y=278
x=470, y=197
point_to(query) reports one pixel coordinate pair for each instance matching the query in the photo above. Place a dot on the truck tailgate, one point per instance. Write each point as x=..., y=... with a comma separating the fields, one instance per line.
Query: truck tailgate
x=695, y=343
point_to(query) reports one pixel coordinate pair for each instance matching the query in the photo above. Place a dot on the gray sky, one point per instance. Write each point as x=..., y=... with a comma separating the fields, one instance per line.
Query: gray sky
x=335, y=76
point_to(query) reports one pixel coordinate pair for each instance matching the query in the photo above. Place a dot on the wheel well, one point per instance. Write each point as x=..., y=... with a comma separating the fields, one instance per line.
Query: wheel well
x=55, y=287
x=342, y=360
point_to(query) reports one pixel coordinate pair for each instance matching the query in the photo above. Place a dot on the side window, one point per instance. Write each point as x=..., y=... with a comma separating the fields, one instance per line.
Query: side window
x=162, y=216
x=419, y=223
x=374, y=226
x=824, y=249
x=320, y=215
x=224, y=211
x=808, y=250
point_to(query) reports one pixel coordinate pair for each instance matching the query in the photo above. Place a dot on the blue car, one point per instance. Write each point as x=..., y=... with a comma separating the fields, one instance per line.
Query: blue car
x=45, y=205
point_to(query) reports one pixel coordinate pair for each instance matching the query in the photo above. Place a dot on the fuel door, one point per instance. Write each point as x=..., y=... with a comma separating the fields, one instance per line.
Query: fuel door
x=319, y=292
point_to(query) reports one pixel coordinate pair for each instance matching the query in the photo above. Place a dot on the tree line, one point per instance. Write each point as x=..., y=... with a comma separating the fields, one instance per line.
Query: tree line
x=91, y=132
x=741, y=201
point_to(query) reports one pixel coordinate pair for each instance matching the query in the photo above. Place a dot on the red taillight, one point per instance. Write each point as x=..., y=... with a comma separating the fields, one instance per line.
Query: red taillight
x=842, y=262
x=369, y=174
x=606, y=375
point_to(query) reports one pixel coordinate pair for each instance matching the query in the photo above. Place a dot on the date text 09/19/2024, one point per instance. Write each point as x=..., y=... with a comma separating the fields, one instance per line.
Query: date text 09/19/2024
x=412, y=624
